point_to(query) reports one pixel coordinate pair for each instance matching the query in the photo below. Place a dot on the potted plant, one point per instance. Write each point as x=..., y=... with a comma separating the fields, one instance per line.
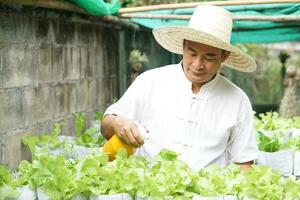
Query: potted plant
x=136, y=60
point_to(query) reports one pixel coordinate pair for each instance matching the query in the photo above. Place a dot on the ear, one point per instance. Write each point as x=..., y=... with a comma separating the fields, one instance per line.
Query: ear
x=225, y=55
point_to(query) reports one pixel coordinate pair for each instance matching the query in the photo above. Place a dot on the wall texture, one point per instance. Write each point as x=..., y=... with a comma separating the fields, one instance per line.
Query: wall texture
x=49, y=68
x=54, y=63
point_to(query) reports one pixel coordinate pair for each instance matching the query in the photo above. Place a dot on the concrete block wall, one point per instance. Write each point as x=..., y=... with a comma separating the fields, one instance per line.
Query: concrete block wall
x=51, y=66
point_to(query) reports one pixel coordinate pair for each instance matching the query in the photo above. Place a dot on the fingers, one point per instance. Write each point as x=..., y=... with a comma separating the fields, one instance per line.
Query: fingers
x=128, y=132
x=137, y=136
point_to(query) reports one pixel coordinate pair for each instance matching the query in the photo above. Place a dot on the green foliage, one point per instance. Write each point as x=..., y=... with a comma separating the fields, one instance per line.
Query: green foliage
x=262, y=183
x=46, y=140
x=269, y=143
x=98, y=116
x=79, y=119
x=6, y=189
x=217, y=181
x=164, y=176
x=7, y=192
x=25, y=173
x=272, y=121
x=296, y=122
x=273, y=132
x=5, y=176
x=292, y=143
x=89, y=137
x=257, y=85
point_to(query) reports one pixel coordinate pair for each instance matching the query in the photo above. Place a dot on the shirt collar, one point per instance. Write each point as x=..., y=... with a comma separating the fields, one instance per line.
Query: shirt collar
x=186, y=84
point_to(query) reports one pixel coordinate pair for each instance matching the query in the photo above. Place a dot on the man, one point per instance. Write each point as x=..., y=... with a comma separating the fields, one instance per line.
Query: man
x=189, y=107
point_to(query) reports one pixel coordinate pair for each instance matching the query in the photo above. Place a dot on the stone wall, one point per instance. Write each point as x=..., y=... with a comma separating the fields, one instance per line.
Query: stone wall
x=54, y=63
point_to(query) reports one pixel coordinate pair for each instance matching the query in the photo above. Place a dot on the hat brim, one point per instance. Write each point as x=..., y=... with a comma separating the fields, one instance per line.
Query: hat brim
x=172, y=37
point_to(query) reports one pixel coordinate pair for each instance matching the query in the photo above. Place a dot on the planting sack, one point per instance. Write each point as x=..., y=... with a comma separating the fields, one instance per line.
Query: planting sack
x=26, y=193
x=150, y=198
x=96, y=124
x=80, y=197
x=297, y=164
x=82, y=150
x=68, y=139
x=296, y=132
x=48, y=150
x=280, y=160
x=197, y=197
x=230, y=197
x=123, y=196
x=42, y=195
x=54, y=151
x=247, y=198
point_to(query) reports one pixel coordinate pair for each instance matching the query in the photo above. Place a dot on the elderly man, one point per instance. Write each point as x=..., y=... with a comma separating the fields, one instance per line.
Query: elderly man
x=189, y=107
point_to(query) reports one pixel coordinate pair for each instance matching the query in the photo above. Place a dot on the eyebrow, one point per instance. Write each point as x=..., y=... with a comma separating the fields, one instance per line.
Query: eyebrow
x=208, y=54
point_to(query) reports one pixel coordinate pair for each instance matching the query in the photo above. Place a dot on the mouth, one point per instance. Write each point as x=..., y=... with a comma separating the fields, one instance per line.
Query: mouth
x=198, y=73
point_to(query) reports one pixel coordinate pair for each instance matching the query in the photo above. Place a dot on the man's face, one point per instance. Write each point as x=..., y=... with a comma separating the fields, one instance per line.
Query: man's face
x=201, y=62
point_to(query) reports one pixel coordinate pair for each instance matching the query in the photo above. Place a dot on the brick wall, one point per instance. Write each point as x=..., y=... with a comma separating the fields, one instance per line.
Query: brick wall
x=51, y=66
x=54, y=63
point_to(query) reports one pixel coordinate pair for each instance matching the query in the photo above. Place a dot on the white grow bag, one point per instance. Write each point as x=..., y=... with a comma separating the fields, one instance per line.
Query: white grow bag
x=26, y=193
x=281, y=160
x=122, y=196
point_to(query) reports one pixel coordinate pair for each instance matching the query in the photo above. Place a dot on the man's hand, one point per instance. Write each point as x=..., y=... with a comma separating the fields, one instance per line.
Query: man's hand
x=127, y=130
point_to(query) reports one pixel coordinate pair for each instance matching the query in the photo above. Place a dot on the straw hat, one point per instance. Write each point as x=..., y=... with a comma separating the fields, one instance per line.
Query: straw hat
x=210, y=25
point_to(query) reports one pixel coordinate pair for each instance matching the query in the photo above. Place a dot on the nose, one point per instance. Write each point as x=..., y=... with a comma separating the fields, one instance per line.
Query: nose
x=198, y=63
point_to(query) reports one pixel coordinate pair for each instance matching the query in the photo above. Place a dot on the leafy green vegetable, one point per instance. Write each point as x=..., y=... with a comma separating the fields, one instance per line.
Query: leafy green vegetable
x=217, y=181
x=5, y=175
x=274, y=132
x=291, y=188
x=268, y=143
x=292, y=143
x=6, y=189
x=7, y=192
x=163, y=177
x=98, y=116
x=79, y=119
x=296, y=123
x=45, y=140
x=272, y=121
x=25, y=173
x=90, y=137
x=262, y=183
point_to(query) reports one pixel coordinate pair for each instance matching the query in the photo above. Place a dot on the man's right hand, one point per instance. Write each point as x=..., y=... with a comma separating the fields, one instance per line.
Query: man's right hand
x=127, y=130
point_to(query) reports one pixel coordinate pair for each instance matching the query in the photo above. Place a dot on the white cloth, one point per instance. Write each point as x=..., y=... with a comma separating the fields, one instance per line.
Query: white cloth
x=214, y=126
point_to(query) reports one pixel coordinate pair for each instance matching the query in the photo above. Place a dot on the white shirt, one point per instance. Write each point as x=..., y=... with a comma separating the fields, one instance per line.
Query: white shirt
x=214, y=126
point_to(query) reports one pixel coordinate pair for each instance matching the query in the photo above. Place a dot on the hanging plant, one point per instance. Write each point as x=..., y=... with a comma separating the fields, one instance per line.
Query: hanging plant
x=137, y=60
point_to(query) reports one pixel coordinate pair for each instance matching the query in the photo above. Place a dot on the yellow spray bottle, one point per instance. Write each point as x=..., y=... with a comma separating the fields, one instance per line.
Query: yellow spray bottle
x=112, y=146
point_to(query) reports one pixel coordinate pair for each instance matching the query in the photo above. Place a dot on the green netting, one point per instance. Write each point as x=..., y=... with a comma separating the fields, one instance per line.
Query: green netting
x=99, y=7
x=245, y=31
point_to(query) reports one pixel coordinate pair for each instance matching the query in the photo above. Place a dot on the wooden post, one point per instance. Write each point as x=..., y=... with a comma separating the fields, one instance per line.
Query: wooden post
x=194, y=4
x=280, y=18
